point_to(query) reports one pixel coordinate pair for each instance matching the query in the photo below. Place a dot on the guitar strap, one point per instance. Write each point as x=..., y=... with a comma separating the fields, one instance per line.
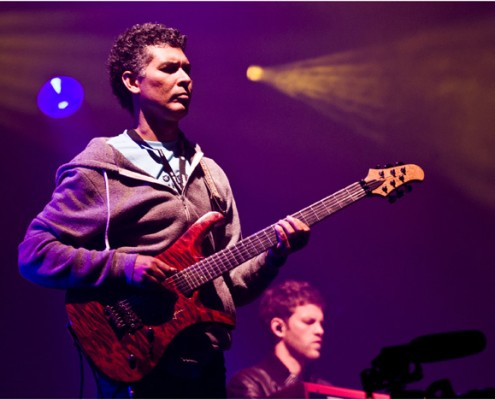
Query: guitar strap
x=210, y=185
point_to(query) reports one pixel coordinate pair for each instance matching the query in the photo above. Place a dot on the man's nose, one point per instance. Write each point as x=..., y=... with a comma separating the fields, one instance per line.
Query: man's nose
x=184, y=76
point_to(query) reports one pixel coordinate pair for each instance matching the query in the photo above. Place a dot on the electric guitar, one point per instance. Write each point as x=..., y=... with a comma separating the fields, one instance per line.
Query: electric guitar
x=126, y=334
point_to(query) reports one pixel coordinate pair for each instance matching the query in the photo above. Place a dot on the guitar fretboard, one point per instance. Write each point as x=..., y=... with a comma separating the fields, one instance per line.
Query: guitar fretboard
x=196, y=275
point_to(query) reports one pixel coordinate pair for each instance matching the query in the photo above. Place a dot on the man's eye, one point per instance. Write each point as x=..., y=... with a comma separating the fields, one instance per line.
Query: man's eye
x=170, y=69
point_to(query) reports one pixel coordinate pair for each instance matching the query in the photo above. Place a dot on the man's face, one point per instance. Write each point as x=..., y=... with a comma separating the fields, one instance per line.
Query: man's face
x=303, y=336
x=165, y=84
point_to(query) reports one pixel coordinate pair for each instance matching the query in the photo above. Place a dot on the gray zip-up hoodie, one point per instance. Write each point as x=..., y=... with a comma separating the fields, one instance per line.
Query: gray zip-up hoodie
x=105, y=211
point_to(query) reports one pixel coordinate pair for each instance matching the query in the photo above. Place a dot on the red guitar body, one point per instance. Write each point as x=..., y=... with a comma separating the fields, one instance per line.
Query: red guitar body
x=126, y=335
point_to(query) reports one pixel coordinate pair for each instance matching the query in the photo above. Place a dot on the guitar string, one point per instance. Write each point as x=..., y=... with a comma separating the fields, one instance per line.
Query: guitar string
x=224, y=260
x=216, y=261
x=207, y=269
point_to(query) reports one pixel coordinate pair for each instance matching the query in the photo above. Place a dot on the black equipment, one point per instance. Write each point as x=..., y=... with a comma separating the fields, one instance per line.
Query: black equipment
x=396, y=366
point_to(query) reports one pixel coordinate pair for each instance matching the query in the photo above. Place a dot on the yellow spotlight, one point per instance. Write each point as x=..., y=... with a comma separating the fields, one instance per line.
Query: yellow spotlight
x=254, y=73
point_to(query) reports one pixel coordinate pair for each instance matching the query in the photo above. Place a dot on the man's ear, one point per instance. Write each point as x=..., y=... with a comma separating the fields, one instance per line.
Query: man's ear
x=131, y=82
x=277, y=325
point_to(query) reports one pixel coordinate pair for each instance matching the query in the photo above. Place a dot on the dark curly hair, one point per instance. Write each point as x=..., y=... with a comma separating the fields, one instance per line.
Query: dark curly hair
x=128, y=53
x=281, y=300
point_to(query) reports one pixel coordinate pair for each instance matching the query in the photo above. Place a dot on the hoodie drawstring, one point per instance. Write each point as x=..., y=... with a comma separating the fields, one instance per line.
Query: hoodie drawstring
x=107, y=191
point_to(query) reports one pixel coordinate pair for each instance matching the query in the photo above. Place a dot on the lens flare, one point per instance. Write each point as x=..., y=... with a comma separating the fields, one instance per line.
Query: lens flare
x=60, y=97
x=255, y=73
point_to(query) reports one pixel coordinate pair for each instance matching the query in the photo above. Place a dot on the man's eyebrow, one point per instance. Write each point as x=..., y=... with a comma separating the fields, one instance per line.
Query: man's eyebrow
x=169, y=62
x=173, y=63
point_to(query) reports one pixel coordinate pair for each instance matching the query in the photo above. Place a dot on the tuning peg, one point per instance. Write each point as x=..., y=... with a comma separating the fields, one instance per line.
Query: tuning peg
x=399, y=163
x=388, y=165
x=408, y=188
x=391, y=199
x=400, y=193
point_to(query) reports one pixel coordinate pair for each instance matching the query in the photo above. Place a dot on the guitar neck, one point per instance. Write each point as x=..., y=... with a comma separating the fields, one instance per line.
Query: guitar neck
x=194, y=276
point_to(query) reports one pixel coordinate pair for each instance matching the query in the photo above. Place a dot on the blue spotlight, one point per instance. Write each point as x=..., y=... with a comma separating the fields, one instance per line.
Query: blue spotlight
x=60, y=97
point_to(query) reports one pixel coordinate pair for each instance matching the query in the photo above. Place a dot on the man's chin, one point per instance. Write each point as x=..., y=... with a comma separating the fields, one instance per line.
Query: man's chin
x=313, y=355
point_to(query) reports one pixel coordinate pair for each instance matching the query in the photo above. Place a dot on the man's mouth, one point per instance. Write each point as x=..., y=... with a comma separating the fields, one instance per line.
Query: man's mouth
x=182, y=98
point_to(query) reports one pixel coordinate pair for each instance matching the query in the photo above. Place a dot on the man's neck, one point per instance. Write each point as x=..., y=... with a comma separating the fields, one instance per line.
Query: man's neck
x=294, y=365
x=166, y=131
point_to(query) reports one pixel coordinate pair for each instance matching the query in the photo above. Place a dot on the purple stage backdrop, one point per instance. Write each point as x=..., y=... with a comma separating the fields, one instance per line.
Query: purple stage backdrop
x=347, y=86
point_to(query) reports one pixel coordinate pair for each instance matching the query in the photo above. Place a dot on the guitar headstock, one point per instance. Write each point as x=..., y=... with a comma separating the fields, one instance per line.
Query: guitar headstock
x=387, y=180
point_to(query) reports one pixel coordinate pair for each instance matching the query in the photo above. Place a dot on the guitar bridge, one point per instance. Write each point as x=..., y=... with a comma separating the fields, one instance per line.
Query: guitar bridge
x=122, y=318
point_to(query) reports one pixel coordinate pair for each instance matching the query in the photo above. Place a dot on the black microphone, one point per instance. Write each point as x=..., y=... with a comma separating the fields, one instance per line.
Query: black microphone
x=396, y=366
x=432, y=348
x=447, y=346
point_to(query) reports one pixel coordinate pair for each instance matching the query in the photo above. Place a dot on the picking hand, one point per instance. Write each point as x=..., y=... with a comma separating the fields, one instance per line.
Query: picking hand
x=150, y=271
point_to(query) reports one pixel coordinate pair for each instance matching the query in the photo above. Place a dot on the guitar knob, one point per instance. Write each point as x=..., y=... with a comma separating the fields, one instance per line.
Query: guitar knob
x=132, y=361
x=150, y=334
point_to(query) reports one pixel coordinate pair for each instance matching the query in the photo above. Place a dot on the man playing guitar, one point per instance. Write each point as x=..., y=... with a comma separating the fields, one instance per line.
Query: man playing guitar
x=115, y=235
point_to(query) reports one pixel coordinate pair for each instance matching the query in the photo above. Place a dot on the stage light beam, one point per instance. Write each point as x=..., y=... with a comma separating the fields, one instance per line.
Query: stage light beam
x=432, y=91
